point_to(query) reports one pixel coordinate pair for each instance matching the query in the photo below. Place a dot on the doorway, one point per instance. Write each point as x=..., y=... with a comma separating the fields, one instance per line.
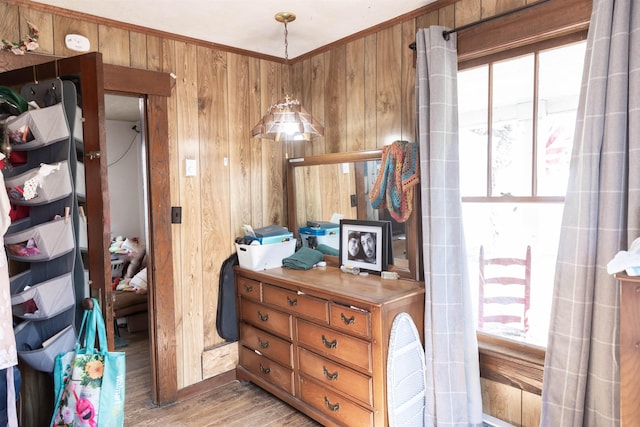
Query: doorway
x=129, y=213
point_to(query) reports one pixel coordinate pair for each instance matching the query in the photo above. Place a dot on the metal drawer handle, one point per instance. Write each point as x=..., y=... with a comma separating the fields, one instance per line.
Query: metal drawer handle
x=348, y=321
x=262, y=317
x=263, y=344
x=329, y=344
x=330, y=377
x=292, y=302
x=264, y=370
x=248, y=288
x=332, y=408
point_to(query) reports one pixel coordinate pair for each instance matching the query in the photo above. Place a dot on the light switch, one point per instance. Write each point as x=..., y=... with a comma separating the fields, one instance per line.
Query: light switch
x=190, y=168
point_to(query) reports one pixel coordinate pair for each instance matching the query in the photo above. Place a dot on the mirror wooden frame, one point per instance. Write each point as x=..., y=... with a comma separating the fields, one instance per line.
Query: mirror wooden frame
x=413, y=226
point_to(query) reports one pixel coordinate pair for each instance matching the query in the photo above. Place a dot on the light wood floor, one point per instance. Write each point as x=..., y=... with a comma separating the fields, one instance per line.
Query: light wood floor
x=236, y=404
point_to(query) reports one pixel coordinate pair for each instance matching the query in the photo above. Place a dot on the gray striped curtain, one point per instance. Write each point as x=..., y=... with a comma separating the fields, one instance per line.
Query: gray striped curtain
x=453, y=377
x=601, y=217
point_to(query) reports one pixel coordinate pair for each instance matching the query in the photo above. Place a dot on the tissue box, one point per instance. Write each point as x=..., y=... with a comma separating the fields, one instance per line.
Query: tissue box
x=262, y=257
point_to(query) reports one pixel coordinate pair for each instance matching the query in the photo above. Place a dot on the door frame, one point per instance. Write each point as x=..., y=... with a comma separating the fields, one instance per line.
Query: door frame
x=155, y=87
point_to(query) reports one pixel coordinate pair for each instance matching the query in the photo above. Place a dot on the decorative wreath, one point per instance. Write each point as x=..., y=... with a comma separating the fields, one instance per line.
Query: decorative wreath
x=28, y=43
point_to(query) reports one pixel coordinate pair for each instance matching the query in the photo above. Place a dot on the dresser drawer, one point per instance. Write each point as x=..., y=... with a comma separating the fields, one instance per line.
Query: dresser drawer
x=266, y=318
x=269, y=345
x=350, y=320
x=267, y=369
x=323, y=340
x=248, y=288
x=302, y=304
x=334, y=405
x=336, y=376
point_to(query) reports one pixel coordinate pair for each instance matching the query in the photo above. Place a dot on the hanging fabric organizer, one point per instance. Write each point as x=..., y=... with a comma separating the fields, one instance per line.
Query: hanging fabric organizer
x=44, y=245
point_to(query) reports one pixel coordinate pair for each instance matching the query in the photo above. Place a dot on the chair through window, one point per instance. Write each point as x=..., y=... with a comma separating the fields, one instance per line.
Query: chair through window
x=504, y=293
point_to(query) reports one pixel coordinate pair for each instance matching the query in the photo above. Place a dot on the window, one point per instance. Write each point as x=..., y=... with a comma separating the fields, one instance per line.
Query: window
x=516, y=125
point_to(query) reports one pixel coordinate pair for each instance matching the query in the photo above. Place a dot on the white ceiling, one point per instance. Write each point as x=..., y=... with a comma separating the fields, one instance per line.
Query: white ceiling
x=250, y=24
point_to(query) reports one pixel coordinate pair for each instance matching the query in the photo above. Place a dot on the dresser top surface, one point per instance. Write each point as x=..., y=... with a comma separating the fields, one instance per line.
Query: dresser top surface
x=370, y=288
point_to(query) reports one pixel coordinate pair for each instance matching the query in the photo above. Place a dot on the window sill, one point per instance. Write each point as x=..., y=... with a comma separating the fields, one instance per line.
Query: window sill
x=512, y=363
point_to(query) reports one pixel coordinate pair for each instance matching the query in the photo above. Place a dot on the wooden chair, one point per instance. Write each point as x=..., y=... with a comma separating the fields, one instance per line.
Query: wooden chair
x=504, y=283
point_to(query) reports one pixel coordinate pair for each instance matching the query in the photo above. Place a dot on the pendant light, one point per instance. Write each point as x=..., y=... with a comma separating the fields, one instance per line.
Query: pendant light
x=287, y=119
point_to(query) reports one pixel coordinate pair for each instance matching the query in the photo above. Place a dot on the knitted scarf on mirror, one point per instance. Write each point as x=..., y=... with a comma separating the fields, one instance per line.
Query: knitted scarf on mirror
x=394, y=184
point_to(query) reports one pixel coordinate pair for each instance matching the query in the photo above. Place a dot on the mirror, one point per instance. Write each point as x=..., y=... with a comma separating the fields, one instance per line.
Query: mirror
x=339, y=183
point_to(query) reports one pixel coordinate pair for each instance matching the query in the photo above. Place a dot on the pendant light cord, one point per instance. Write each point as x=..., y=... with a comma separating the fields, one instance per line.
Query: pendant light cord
x=286, y=43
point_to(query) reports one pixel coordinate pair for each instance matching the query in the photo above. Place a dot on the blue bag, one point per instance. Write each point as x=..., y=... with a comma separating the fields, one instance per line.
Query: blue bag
x=89, y=383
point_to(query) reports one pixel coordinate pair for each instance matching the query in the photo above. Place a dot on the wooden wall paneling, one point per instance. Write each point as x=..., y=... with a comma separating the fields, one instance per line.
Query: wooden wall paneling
x=254, y=158
x=213, y=122
x=347, y=187
x=114, y=45
x=329, y=187
x=288, y=146
x=316, y=83
x=501, y=401
x=312, y=195
x=63, y=25
x=446, y=16
x=272, y=151
x=154, y=53
x=335, y=100
x=355, y=89
x=408, y=98
x=9, y=17
x=427, y=20
x=190, y=284
x=531, y=409
x=285, y=79
x=370, y=92
x=295, y=85
x=168, y=64
x=467, y=11
x=138, y=50
x=388, y=84
x=306, y=97
x=44, y=22
x=495, y=7
x=303, y=94
x=240, y=124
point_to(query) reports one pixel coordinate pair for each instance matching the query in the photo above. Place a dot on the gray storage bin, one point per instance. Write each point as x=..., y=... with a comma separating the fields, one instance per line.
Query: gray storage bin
x=42, y=242
x=39, y=342
x=38, y=128
x=41, y=300
x=52, y=187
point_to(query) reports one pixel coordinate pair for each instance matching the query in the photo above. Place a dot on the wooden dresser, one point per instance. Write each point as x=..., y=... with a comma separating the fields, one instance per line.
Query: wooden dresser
x=629, y=349
x=318, y=339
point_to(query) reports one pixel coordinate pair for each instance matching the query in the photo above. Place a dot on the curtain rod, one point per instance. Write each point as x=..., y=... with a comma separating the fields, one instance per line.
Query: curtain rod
x=445, y=34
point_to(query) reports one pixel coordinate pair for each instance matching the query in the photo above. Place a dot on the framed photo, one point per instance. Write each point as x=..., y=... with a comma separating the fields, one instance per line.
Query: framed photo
x=365, y=244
